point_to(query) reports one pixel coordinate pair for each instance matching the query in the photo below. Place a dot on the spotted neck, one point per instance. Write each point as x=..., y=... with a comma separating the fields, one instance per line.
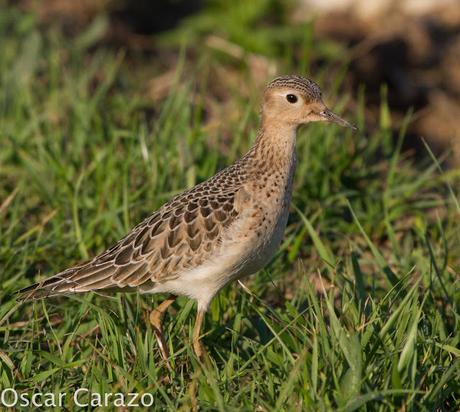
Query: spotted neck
x=275, y=146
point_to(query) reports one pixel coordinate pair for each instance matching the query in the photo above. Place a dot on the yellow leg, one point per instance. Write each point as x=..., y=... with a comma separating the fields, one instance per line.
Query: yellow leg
x=156, y=317
x=197, y=346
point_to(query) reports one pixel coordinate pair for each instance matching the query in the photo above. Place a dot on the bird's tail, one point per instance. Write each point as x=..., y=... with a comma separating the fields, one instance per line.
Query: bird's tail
x=103, y=273
x=59, y=284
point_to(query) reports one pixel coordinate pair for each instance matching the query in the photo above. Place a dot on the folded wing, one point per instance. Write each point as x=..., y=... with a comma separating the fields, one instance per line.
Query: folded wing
x=181, y=235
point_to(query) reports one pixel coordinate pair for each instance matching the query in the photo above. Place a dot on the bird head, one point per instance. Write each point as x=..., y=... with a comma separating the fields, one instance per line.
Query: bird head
x=297, y=100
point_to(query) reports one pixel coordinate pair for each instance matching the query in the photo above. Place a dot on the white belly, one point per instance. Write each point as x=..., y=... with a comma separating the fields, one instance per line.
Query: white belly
x=237, y=257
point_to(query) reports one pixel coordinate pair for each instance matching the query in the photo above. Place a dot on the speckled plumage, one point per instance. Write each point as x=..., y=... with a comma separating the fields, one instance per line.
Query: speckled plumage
x=184, y=233
x=220, y=230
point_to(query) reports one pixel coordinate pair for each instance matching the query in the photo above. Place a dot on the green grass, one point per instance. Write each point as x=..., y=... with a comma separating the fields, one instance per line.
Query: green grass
x=358, y=311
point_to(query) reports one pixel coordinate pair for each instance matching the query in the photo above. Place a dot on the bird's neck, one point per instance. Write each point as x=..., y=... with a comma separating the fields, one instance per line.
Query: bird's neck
x=274, y=147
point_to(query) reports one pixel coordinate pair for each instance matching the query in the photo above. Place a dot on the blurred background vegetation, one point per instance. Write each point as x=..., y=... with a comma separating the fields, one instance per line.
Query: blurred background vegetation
x=406, y=52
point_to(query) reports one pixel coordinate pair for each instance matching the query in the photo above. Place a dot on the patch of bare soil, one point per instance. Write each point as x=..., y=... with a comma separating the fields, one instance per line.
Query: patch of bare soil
x=418, y=58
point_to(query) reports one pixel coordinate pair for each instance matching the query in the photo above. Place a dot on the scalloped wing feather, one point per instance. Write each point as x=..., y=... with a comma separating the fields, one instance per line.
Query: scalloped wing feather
x=181, y=235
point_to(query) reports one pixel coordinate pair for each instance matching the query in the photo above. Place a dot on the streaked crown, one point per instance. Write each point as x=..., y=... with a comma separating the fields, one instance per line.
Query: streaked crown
x=302, y=84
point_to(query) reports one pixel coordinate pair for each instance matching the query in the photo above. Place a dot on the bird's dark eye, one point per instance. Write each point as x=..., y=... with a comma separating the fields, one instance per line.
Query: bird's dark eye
x=291, y=98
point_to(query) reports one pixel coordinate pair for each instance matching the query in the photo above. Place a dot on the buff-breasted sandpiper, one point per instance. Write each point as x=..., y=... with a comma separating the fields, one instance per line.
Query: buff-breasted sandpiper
x=223, y=229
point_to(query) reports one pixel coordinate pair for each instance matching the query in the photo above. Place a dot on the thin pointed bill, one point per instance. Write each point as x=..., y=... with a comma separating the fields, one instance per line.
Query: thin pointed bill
x=329, y=116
